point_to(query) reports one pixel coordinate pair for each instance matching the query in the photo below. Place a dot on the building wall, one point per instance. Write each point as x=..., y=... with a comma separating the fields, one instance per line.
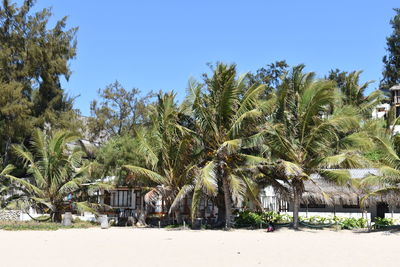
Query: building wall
x=10, y=215
x=339, y=210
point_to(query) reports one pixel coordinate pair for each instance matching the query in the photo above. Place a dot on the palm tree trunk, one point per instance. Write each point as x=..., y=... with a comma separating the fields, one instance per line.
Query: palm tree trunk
x=178, y=216
x=56, y=216
x=220, y=203
x=141, y=213
x=6, y=151
x=296, y=207
x=228, y=202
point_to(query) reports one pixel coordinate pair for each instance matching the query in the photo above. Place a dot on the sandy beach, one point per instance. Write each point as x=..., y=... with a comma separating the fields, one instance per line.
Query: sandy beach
x=160, y=247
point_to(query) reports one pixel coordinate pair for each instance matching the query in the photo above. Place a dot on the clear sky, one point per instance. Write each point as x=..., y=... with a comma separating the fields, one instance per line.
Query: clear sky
x=155, y=45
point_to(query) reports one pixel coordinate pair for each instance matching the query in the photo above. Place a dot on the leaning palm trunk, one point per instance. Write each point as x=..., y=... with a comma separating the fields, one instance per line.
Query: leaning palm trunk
x=178, y=216
x=141, y=215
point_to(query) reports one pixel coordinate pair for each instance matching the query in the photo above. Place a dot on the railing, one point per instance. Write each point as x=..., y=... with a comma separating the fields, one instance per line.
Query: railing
x=396, y=99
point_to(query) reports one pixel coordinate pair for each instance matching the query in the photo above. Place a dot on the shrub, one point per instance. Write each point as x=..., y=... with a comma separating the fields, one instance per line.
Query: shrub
x=248, y=218
x=283, y=218
x=352, y=223
x=318, y=220
x=383, y=222
x=255, y=219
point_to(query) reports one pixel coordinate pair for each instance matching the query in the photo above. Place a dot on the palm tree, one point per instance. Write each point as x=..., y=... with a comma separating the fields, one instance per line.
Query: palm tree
x=387, y=182
x=168, y=148
x=353, y=93
x=226, y=114
x=304, y=136
x=55, y=173
x=5, y=189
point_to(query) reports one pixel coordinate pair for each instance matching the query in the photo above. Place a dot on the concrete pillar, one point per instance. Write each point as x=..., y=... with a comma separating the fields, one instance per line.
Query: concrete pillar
x=67, y=219
x=103, y=220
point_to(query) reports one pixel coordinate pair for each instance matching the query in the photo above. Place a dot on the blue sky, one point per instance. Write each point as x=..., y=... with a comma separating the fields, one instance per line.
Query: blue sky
x=158, y=45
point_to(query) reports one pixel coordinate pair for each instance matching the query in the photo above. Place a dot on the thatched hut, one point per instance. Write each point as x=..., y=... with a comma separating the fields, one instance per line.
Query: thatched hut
x=321, y=196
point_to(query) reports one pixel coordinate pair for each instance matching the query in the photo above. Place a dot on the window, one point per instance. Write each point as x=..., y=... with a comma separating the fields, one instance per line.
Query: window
x=121, y=198
x=351, y=206
x=313, y=206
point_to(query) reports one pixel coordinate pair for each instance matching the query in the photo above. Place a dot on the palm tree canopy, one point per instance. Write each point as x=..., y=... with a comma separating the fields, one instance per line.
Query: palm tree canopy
x=54, y=170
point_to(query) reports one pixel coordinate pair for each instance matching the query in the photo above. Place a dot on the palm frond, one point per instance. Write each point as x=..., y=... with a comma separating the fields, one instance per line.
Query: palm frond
x=183, y=192
x=339, y=177
x=207, y=179
x=143, y=172
x=237, y=188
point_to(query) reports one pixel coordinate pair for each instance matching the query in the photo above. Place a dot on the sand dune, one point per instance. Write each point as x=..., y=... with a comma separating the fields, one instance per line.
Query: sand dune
x=155, y=247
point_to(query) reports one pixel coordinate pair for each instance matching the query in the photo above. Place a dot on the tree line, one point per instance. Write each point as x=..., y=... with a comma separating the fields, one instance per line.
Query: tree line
x=231, y=136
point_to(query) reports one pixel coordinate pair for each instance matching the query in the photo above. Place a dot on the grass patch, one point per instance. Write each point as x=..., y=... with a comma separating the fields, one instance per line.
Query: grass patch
x=42, y=226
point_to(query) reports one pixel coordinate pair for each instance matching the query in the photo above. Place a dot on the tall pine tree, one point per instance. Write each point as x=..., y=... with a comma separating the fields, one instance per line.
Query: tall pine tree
x=33, y=58
x=391, y=71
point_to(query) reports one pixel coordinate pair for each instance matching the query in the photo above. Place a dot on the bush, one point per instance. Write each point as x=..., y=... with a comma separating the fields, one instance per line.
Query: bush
x=351, y=223
x=383, y=222
x=318, y=220
x=248, y=218
x=282, y=218
x=255, y=219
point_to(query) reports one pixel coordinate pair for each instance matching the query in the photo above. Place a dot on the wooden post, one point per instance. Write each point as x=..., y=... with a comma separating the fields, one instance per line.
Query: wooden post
x=307, y=210
x=334, y=209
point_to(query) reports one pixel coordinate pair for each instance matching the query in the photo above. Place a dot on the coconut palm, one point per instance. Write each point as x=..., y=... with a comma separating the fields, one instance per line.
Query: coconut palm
x=55, y=173
x=386, y=184
x=5, y=189
x=303, y=136
x=168, y=148
x=226, y=114
x=353, y=93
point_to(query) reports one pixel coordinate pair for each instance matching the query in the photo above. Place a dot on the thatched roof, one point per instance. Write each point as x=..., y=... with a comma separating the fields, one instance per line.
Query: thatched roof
x=395, y=87
x=319, y=191
x=323, y=192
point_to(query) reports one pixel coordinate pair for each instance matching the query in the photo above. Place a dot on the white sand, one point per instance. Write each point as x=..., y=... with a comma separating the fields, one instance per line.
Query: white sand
x=154, y=247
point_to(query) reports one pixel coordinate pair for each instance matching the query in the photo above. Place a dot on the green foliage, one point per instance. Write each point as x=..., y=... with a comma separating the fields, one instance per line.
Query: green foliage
x=387, y=181
x=168, y=153
x=255, y=219
x=33, y=58
x=384, y=222
x=50, y=49
x=309, y=132
x=351, y=223
x=248, y=218
x=270, y=76
x=343, y=222
x=116, y=152
x=54, y=173
x=120, y=112
x=353, y=93
x=275, y=217
x=319, y=220
x=42, y=226
x=391, y=61
x=374, y=155
x=226, y=113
